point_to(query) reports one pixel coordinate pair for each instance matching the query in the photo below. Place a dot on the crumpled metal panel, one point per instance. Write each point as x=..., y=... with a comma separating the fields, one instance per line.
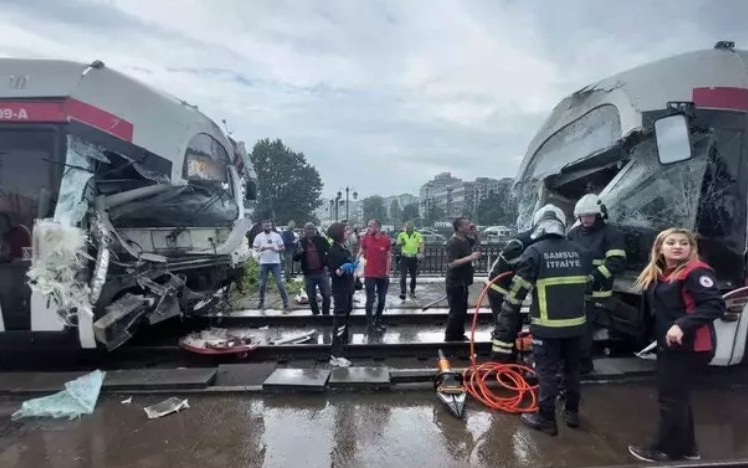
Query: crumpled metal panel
x=71, y=206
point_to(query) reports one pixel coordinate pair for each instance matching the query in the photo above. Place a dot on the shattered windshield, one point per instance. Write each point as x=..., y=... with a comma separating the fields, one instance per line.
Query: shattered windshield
x=595, y=131
x=648, y=195
x=698, y=194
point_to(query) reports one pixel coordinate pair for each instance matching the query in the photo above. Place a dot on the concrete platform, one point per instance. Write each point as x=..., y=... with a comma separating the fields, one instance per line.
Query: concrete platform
x=308, y=380
x=158, y=379
x=360, y=378
x=230, y=375
x=35, y=382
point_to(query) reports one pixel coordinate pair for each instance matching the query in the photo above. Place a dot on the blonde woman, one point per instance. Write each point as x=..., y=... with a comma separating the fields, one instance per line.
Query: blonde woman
x=681, y=292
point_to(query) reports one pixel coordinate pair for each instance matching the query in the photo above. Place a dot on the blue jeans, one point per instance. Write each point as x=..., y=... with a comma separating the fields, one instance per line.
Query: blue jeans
x=321, y=281
x=275, y=268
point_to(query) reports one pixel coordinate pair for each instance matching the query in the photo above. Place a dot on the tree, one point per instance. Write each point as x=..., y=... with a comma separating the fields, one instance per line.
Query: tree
x=373, y=208
x=288, y=187
x=396, y=214
x=410, y=213
x=432, y=214
x=498, y=208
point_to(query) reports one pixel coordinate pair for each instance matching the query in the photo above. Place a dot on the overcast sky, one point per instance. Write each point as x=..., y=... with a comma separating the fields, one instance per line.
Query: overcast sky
x=380, y=95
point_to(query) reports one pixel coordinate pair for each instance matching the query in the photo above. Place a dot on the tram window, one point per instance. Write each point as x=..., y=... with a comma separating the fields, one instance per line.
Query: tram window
x=27, y=190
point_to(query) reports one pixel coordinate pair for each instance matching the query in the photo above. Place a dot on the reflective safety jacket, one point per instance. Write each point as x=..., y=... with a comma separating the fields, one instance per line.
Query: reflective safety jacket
x=410, y=244
x=506, y=328
x=556, y=270
x=605, y=244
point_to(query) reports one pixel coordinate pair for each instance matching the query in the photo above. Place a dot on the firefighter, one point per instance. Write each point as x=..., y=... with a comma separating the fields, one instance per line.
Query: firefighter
x=506, y=327
x=558, y=272
x=605, y=244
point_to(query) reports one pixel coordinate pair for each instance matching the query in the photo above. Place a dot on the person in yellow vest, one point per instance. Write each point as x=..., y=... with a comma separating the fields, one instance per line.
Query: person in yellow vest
x=411, y=247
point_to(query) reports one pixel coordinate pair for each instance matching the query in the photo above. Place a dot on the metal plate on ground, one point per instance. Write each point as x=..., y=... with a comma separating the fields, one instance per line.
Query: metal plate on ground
x=312, y=380
x=145, y=379
x=360, y=377
x=233, y=375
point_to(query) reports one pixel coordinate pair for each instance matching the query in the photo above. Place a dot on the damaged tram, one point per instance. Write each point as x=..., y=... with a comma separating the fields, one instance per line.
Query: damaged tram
x=119, y=204
x=663, y=145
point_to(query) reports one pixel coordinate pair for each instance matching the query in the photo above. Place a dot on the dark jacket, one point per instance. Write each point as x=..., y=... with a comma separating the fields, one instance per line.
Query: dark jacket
x=690, y=299
x=323, y=249
x=289, y=238
x=607, y=248
x=506, y=325
x=337, y=256
x=556, y=271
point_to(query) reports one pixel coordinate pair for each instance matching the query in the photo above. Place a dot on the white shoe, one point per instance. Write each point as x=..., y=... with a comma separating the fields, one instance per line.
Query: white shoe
x=339, y=362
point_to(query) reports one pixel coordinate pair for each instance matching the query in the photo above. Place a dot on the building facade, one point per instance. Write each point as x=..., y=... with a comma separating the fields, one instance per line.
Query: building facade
x=457, y=197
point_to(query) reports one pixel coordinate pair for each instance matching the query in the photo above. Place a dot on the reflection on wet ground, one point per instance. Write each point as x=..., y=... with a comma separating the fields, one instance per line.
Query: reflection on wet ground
x=429, y=290
x=395, y=334
x=355, y=430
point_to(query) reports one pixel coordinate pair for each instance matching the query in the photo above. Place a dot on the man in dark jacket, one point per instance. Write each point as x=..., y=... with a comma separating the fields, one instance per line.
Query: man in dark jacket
x=289, y=244
x=312, y=252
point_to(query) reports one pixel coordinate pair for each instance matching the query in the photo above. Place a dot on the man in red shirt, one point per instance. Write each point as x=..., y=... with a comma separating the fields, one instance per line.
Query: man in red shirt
x=376, y=248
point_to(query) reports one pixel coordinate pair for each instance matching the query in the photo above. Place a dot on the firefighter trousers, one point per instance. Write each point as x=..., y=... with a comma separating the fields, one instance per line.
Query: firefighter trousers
x=553, y=355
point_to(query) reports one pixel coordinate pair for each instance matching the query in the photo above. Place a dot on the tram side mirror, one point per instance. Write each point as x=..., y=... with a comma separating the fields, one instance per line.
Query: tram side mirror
x=673, y=139
x=250, y=190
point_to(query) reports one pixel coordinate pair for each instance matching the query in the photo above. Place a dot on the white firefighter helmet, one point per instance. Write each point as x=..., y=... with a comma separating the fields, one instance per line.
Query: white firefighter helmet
x=589, y=204
x=549, y=219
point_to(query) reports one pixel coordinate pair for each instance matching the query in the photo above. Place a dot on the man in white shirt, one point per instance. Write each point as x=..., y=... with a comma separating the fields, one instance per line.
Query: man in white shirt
x=269, y=244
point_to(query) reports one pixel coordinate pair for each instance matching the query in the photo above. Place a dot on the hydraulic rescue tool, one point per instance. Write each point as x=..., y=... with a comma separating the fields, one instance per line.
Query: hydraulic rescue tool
x=448, y=385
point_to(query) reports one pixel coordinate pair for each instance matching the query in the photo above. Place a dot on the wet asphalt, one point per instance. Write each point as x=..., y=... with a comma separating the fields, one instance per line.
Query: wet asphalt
x=384, y=429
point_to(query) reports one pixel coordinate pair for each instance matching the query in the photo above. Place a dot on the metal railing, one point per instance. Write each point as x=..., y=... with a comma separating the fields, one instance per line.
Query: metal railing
x=434, y=262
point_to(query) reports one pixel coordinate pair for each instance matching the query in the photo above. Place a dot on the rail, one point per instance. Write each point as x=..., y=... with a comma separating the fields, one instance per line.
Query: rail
x=434, y=262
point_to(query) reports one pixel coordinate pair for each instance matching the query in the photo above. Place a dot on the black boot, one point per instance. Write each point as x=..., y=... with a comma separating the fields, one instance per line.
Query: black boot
x=571, y=418
x=540, y=423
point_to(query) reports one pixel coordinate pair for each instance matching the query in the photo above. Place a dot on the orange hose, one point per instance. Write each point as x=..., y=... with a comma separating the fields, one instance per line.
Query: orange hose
x=509, y=378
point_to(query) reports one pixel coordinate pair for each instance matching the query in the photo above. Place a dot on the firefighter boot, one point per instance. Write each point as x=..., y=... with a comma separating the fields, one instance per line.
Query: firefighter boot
x=571, y=418
x=540, y=423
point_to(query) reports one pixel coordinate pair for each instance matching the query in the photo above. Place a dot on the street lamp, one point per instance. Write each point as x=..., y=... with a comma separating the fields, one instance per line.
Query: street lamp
x=347, y=200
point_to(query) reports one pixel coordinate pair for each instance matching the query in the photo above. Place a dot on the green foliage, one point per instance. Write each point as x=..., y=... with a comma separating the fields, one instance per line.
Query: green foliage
x=396, y=214
x=288, y=187
x=373, y=208
x=432, y=214
x=410, y=213
x=251, y=280
x=498, y=208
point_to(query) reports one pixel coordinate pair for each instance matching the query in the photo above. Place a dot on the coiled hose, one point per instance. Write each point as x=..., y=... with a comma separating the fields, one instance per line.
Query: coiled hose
x=498, y=386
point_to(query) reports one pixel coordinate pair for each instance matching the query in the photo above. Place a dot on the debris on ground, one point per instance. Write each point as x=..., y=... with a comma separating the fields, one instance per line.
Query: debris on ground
x=126, y=401
x=296, y=339
x=168, y=406
x=79, y=397
x=218, y=341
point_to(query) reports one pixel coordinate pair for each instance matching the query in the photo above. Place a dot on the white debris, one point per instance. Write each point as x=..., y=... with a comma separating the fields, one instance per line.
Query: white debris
x=168, y=406
x=126, y=401
x=59, y=254
x=79, y=397
x=217, y=338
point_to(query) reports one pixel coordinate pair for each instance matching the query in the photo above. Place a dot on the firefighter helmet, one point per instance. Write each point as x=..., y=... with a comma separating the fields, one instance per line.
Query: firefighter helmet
x=589, y=204
x=549, y=219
